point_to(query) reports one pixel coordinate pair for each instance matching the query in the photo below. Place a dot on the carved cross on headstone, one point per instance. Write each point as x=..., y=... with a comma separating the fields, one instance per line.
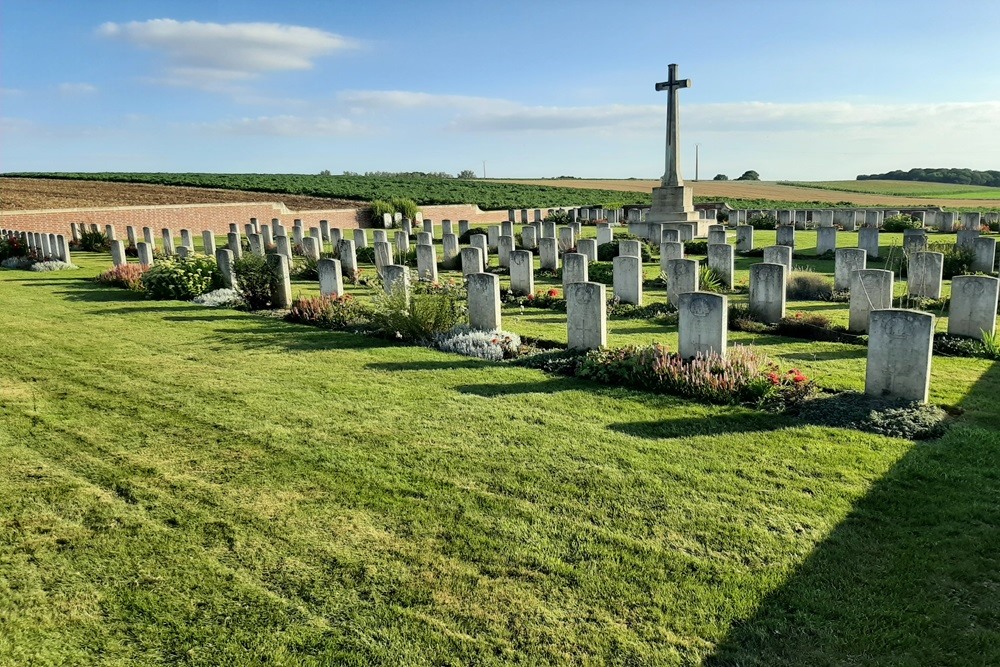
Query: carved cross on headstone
x=672, y=175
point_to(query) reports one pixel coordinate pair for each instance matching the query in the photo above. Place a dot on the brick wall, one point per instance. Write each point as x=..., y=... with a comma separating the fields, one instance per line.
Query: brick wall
x=216, y=217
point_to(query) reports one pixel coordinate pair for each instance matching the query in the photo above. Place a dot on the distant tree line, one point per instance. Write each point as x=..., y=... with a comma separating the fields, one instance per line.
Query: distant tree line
x=990, y=177
x=749, y=175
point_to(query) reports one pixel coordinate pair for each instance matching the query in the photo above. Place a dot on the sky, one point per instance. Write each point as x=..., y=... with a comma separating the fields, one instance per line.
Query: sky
x=795, y=90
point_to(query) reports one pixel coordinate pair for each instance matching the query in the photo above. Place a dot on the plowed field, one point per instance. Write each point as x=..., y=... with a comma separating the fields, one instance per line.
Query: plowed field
x=18, y=194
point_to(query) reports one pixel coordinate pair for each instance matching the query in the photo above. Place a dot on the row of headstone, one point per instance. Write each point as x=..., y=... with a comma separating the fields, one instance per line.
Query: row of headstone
x=43, y=245
x=851, y=219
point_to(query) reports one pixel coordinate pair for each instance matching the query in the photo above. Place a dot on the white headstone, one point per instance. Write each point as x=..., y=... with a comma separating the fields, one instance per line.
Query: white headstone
x=871, y=289
x=586, y=316
x=627, y=272
x=484, y=301
x=548, y=253
x=574, y=268
x=767, y=291
x=721, y=260
x=900, y=343
x=331, y=277
x=972, y=309
x=702, y=325
x=682, y=277
x=472, y=261
x=426, y=262
x=845, y=262
x=924, y=273
x=522, y=272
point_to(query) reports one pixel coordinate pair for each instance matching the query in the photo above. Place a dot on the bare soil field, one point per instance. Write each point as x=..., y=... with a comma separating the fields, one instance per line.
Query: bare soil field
x=17, y=194
x=762, y=190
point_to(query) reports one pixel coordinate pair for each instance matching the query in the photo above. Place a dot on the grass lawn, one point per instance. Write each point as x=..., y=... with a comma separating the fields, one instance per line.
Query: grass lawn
x=180, y=485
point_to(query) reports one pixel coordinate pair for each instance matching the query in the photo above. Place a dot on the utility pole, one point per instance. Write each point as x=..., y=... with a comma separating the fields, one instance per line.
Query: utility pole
x=484, y=168
x=697, y=148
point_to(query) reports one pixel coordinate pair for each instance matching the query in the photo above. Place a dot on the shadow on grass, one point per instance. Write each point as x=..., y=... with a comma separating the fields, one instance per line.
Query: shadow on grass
x=651, y=328
x=548, y=386
x=273, y=333
x=853, y=352
x=87, y=290
x=717, y=424
x=910, y=577
x=459, y=362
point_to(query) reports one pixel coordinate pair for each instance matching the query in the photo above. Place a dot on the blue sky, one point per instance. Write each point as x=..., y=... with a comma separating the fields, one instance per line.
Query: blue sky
x=803, y=89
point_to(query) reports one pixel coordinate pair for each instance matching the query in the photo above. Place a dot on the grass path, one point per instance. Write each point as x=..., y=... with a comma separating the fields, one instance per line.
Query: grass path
x=187, y=486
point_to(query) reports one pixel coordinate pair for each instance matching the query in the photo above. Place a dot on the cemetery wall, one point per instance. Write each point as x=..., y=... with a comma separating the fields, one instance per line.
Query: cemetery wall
x=217, y=217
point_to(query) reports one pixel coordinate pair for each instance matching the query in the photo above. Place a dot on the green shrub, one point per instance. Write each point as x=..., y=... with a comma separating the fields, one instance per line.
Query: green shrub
x=606, y=252
x=913, y=422
x=898, y=223
x=813, y=326
x=742, y=318
x=366, y=254
x=601, y=272
x=696, y=247
x=407, y=207
x=379, y=208
x=12, y=246
x=958, y=346
x=809, y=286
x=128, y=276
x=181, y=279
x=743, y=376
x=305, y=268
x=467, y=236
x=877, y=414
x=255, y=281
x=94, y=242
x=419, y=317
x=763, y=221
x=559, y=362
x=334, y=312
x=710, y=280
x=630, y=311
x=957, y=260
x=558, y=216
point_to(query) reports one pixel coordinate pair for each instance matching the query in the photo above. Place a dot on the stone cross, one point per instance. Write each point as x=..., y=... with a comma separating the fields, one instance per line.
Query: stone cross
x=672, y=175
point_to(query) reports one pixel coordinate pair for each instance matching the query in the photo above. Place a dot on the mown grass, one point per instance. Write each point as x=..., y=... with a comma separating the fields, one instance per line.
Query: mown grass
x=904, y=188
x=186, y=486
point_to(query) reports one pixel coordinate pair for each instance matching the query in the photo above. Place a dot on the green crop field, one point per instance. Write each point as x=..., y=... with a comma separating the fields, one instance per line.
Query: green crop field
x=488, y=195
x=186, y=485
x=904, y=188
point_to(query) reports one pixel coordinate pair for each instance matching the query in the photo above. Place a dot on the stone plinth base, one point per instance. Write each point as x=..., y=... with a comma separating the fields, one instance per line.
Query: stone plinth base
x=673, y=203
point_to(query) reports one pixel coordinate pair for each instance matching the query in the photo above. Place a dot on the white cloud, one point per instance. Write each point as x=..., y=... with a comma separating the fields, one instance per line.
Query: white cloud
x=286, y=126
x=215, y=55
x=779, y=117
x=76, y=88
x=481, y=114
x=387, y=100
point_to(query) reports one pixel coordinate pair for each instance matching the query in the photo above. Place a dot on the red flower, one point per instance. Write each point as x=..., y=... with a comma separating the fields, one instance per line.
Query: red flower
x=799, y=377
x=773, y=377
x=553, y=292
x=530, y=297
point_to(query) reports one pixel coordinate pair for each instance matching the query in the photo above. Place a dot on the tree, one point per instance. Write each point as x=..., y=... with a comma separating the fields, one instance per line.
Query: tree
x=466, y=173
x=749, y=175
x=325, y=172
x=720, y=177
